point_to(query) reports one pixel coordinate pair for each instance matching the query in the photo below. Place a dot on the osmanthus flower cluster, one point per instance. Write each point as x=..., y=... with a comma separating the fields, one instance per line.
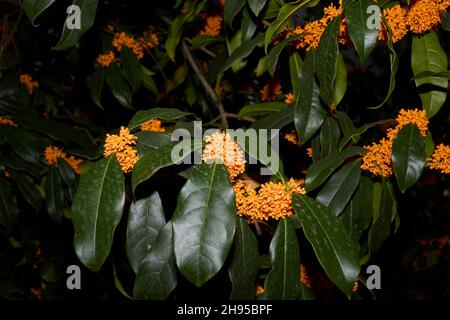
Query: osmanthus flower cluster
x=53, y=153
x=440, y=160
x=154, y=125
x=7, y=121
x=123, y=40
x=377, y=158
x=121, y=145
x=271, y=200
x=212, y=27
x=28, y=82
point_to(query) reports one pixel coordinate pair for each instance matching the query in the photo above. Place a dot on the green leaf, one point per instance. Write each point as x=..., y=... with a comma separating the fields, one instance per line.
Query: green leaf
x=320, y=170
x=295, y=67
x=340, y=86
x=383, y=205
x=258, y=109
x=119, y=88
x=203, y=40
x=131, y=68
x=272, y=58
x=54, y=196
x=429, y=145
x=165, y=114
x=256, y=5
x=149, y=141
x=244, y=262
x=408, y=156
x=21, y=141
x=275, y=120
x=96, y=211
x=95, y=84
x=204, y=222
x=327, y=61
x=355, y=134
x=70, y=37
x=339, y=189
x=15, y=162
x=356, y=216
x=28, y=188
x=248, y=25
x=9, y=212
x=157, y=275
x=334, y=249
x=393, y=65
x=363, y=37
x=242, y=52
x=150, y=163
x=147, y=80
x=345, y=123
x=445, y=23
x=330, y=134
x=428, y=55
x=284, y=15
x=309, y=114
x=145, y=221
x=33, y=8
x=231, y=9
x=282, y=282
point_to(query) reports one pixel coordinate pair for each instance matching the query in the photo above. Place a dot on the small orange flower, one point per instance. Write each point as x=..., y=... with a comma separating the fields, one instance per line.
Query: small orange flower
x=8, y=122
x=120, y=145
x=106, y=59
x=220, y=146
x=355, y=287
x=291, y=137
x=309, y=152
x=52, y=154
x=149, y=40
x=27, y=80
x=396, y=20
x=423, y=16
x=440, y=160
x=212, y=27
x=259, y=290
x=289, y=98
x=123, y=40
x=152, y=125
x=304, y=278
x=270, y=91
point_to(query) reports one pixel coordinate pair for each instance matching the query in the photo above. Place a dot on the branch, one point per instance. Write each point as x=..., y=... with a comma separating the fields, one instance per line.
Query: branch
x=210, y=91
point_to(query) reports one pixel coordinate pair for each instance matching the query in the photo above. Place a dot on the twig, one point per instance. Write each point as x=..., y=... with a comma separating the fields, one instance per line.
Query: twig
x=210, y=53
x=212, y=94
x=257, y=228
x=231, y=115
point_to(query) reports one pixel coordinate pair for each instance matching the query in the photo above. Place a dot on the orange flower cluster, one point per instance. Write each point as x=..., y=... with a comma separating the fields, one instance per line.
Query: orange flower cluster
x=152, y=125
x=291, y=137
x=212, y=27
x=440, y=160
x=309, y=152
x=52, y=154
x=423, y=16
x=106, y=59
x=27, y=80
x=121, y=146
x=304, y=278
x=355, y=287
x=271, y=201
x=270, y=91
x=149, y=40
x=289, y=98
x=259, y=290
x=123, y=40
x=220, y=146
x=8, y=122
x=378, y=156
x=396, y=20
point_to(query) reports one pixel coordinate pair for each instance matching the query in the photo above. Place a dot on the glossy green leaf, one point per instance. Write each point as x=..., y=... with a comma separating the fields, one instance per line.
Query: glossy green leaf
x=258, y=109
x=274, y=54
x=28, y=188
x=166, y=156
x=276, y=120
x=340, y=187
x=327, y=61
x=330, y=134
x=345, y=123
x=131, y=68
x=309, y=114
x=295, y=66
x=355, y=134
x=33, y=8
x=248, y=25
x=21, y=141
x=361, y=30
x=165, y=114
x=408, y=156
x=14, y=162
x=119, y=87
x=54, y=196
x=96, y=211
x=9, y=212
x=95, y=84
x=282, y=282
x=242, y=51
x=383, y=205
x=320, y=170
x=244, y=262
x=147, y=80
x=334, y=249
x=148, y=141
x=340, y=85
x=428, y=55
x=429, y=145
x=284, y=15
x=145, y=221
x=231, y=9
x=358, y=213
x=157, y=275
x=204, y=222
x=256, y=5
x=70, y=36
